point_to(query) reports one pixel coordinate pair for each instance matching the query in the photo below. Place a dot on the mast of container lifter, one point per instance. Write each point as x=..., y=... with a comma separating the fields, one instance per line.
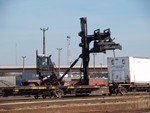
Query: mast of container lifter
x=85, y=49
x=44, y=38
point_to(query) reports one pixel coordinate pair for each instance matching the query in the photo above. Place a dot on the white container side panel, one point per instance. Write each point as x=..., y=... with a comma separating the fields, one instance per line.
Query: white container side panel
x=140, y=70
x=118, y=69
x=131, y=69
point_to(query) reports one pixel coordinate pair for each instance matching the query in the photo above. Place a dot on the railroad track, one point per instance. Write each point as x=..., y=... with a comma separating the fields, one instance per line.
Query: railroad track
x=67, y=97
x=73, y=100
x=95, y=103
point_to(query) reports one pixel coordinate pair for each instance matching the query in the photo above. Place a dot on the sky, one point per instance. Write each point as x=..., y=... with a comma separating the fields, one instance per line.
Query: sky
x=21, y=20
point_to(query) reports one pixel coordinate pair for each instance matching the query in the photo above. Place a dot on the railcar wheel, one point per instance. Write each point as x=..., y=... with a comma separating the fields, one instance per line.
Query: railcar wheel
x=44, y=96
x=122, y=90
x=50, y=95
x=36, y=96
x=58, y=93
x=109, y=94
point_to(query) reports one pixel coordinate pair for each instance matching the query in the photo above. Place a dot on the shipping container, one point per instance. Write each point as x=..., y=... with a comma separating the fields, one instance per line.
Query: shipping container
x=29, y=76
x=19, y=82
x=129, y=70
x=98, y=81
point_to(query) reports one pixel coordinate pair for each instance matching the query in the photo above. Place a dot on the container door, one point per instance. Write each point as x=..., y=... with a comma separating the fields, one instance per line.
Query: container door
x=118, y=76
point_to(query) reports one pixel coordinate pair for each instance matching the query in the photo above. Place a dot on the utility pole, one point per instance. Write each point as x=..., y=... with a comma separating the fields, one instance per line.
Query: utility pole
x=68, y=54
x=44, y=39
x=59, y=49
x=23, y=63
x=68, y=50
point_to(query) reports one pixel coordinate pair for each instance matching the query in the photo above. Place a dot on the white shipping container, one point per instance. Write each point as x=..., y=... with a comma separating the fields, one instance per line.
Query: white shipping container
x=129, y=70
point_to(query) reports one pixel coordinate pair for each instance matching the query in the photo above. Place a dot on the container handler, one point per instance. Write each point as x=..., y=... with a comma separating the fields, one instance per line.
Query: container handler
x=51, y=85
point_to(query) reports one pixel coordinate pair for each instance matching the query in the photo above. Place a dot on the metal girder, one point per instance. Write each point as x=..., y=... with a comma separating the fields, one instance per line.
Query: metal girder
x=104, y=46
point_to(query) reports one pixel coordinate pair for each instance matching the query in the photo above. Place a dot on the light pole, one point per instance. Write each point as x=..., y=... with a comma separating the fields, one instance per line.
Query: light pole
x=68, y=50
x=23, y=57
x=68, y=54
x=94, y=64
x=59, y=49
x=44, y=39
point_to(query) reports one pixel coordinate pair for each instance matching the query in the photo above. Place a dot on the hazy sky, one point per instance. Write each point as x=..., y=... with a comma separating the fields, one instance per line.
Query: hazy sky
x=21, y=20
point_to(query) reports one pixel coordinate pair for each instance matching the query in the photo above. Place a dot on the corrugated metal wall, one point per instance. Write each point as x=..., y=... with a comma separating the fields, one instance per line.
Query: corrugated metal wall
x=29, y=76
x=7, y=81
